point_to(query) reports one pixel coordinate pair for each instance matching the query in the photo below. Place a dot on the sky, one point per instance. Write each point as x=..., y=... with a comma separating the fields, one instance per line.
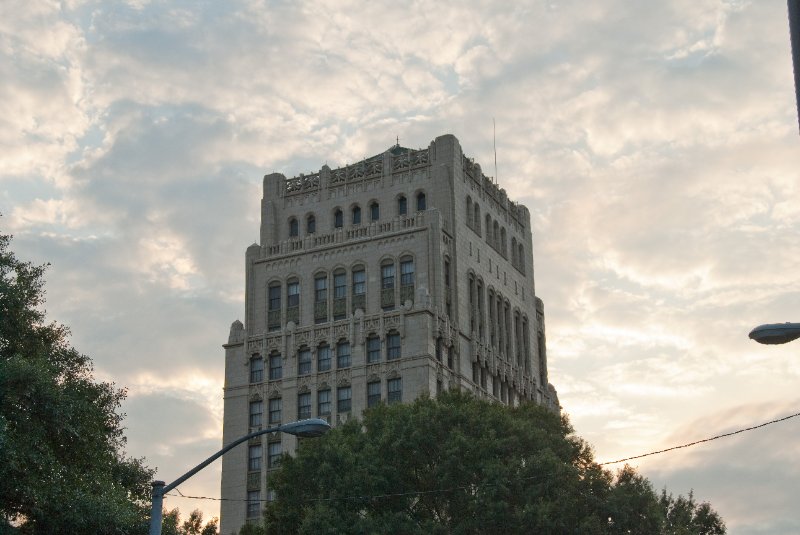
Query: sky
x=655, y=143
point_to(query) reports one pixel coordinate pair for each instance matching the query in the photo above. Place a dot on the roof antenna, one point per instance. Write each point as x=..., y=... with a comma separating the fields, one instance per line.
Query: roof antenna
x=494, y=142
x=398, y=141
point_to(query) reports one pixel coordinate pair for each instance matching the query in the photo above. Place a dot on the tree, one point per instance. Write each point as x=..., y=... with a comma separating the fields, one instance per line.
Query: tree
x=684, y=516
x=171, y=524
x=63, y=466
x=456, y=464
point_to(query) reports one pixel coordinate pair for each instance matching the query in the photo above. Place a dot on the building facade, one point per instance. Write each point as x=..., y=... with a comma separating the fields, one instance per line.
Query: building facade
x=401, y=275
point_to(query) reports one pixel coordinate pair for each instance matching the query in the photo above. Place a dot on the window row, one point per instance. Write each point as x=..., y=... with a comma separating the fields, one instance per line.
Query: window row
x=325, y=405
x=495, y=235
x=346, y=287
x=325, y=356
x=374, y=211
x=500, y=389
x=508, y=331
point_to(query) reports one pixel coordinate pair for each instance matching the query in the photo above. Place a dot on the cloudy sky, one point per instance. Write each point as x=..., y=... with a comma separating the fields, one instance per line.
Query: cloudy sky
x=655, y=142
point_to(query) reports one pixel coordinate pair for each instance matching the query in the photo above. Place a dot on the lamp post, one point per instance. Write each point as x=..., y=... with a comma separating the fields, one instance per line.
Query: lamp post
x=313, y=427
x=775, y=333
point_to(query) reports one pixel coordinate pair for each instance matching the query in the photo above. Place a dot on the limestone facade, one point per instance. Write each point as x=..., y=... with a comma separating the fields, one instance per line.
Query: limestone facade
x=404, y=274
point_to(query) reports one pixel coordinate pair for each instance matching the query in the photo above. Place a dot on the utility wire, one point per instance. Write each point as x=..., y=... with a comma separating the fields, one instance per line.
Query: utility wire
x=702, y=440
x=476, y=486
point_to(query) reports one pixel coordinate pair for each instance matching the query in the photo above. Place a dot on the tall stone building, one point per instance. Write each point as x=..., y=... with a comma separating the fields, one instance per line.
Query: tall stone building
x=404, y=274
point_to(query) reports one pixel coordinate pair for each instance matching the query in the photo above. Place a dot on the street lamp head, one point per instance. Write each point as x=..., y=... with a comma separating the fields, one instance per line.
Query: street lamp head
x=775, y=333
x=312, y=427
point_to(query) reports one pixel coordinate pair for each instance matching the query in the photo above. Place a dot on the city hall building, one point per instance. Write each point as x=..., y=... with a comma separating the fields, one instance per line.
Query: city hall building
x=404, y=274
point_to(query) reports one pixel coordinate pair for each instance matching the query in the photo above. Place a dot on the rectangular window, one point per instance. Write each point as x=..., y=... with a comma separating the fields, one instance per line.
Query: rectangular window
x=275, y=411
x=321, y=289
x=359, y=282
x=373, y=393
x=339, y=286
x=304, y=406
x=254, y=458
x=387, y=277
x=343, y=399
x=323, y=358
x=274, y=453
x=304, y=361
x=395, y=390
x=256, y=409
x=274, y=297
x=323, y=402
x=373, y=349
x=374, y=211
x=293, y=294
x=253, y=503
x=392, y=346
x=343, y=355
x=275, y=367
x=256, y=370
x=407, y=273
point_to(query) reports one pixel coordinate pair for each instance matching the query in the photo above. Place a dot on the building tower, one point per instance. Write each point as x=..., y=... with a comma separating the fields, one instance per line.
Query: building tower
x=404, y=274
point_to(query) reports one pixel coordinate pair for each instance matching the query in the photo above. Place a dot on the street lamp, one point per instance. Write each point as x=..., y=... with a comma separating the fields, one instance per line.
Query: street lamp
x=312, y=427
x=775, y=333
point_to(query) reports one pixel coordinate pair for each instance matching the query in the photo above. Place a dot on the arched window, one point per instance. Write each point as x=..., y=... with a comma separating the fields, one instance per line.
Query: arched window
x=374, y=211
x=359, y=277
x=311, y=224
x=343, y=354
x=514, y=252
x=323, y=357
x=338, y=219
x=488, y=229
x=402, y=205
x=521, y=258
x=294, y=228
x=421, y=204
x=356, y=215
x=304, y=362
x=373, y=349
x=469, y=211
x=274, y=306
x=387, y=284
x=406, y=279
x=503, y=242
x=293, y=301
x=339, y=294
x=477, y=223
x=496, y=235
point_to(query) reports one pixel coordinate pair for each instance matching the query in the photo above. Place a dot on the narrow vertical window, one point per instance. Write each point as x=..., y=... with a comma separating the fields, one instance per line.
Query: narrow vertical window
x=392, y=346
x=256, y=369
x=402, y=205
x=274, y=307
x=323, y=358
x=256, y=409
x=439, y=349
x=311, y=224
x=394, y=390
x=387, y=286
x=339, y=295
x=373, y=349
x=374, y=211
x=406, y=280
x=253, y=503
x=254, y=458
x=294, y=228
x=373, y=393
x=421, y=203
x=275, y=367
x=324, y=402
x=304, y=361
x=304, y=406
x=274, y=454
x=343, y=354
x=356, y=215
x=338, y=219
x=359, y=288
x=293, y=301
x=275, y=410
x=343, y=399
x=321, y=298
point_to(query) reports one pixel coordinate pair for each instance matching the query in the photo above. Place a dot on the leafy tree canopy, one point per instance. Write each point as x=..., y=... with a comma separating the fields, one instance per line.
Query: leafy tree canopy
x=461, y=465
x=63, y=467
x=171, y=524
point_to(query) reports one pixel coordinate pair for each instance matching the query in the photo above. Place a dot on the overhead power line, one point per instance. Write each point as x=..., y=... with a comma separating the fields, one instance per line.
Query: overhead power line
x=474, y=487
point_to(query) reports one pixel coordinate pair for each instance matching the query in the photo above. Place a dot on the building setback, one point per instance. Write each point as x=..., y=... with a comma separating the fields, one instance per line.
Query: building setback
x=401, y=275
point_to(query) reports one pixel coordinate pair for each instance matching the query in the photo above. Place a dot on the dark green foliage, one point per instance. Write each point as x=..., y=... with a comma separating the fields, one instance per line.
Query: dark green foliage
x=171, y=524
x=456, y=465
x=684, y=516
x=63, y=469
